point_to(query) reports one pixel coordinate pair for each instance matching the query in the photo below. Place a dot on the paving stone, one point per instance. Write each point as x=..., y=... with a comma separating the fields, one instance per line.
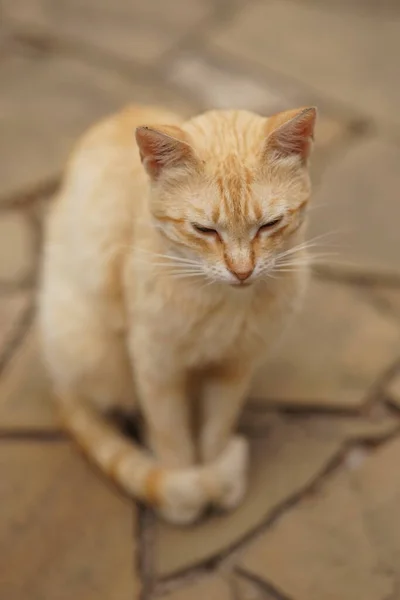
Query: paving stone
x=17, y=248
x=390, y=298
x=64, y=533
x=25, y=395
x=258, y=422
x=13, y=307
x=353, y=47
x=284, y=462
x=249, y=590
x=378, y=492
x=4, y=38
x=392, y=389
x=356, y=429
x=341, y=542
x=221, y=87
x=214, y=588
x=171, y=13
x=358, y=201
x=356, y=5
x=137, y=31
x=46, y=102
x=40, y=209
x=333, y=354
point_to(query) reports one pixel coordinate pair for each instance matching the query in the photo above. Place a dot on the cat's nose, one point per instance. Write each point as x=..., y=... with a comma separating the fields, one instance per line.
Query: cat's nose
x=242, y=274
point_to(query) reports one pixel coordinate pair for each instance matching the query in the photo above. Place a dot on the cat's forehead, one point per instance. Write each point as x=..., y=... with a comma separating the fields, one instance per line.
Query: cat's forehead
x=232, y=186
x=220, y=135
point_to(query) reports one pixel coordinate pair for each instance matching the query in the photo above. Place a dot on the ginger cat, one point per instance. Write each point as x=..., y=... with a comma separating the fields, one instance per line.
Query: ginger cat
x=171, y=264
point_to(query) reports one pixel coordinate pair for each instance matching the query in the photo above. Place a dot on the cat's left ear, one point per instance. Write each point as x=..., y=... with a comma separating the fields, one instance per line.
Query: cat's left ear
x=291, y=133
x=163, y=147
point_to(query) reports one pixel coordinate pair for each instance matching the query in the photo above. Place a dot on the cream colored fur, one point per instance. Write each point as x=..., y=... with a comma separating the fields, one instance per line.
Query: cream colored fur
x=136, y=301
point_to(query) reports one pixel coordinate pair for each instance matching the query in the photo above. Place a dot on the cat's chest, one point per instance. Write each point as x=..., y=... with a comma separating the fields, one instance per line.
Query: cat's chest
x=218, y=333
x=198, y=331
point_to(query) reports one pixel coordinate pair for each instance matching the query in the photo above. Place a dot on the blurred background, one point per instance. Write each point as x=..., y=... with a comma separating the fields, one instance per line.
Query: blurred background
x=321, y=518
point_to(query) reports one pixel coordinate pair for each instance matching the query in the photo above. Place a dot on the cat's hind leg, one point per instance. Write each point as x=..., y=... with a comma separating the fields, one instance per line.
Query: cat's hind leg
x=179, y=495
x=90, y=370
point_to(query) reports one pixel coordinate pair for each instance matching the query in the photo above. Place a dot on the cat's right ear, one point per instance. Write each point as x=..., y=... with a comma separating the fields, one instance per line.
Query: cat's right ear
x=162, y=148
x=291, y=133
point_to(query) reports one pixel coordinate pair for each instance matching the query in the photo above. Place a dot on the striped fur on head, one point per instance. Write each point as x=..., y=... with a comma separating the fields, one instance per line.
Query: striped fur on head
x=230, y=188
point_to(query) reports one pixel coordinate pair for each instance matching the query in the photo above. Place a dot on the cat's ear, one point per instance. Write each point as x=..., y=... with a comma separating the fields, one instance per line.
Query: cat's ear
x=163, y=147
x=291, y=133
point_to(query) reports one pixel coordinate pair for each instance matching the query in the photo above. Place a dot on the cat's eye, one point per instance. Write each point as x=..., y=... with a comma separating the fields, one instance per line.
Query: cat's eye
x=271, y=224
x=201, y=229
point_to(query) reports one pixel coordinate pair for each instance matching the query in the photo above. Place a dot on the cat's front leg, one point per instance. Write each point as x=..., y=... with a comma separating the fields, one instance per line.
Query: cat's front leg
x=164, y=403
x=224, y=393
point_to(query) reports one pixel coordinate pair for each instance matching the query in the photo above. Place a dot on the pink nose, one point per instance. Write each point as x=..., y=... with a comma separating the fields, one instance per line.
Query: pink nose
x=242, y=275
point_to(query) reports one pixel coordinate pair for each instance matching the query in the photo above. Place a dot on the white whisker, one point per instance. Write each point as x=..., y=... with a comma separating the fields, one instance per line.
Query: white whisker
x=169, y=257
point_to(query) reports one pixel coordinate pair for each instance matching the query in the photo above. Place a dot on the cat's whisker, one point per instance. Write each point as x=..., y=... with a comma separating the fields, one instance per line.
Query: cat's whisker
x=168, y=256
x=187, y=275
x=306, y=259
x=297, y=249
x=267, y=272
x=172, y=270
x=208, y=283
x=307, y=243
x=168, y=265
x=289, y=270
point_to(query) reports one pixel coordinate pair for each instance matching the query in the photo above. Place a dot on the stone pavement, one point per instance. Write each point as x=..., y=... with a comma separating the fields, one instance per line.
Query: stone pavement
x=321, y=518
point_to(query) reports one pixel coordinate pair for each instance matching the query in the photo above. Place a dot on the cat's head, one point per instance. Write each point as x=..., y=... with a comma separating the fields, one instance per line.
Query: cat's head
x=229, y=190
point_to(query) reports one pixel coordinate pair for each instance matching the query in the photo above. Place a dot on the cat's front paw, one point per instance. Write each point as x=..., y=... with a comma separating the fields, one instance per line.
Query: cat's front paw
x=227, y=475
x=182, y=497
x=183, y=494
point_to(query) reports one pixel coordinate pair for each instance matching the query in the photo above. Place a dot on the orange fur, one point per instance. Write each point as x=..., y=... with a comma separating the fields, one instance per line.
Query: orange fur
x=150, y=279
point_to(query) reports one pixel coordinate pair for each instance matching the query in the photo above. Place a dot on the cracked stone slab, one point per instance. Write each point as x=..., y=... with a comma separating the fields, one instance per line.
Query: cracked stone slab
x=170, y=13
x=356, y=5
x=343, y=541
x=47, y=101
x=358, y=200
x=133, y=31
x=71, y=534
x=214, y=587
x=25, y=394
x=353, y=46
x=284, y=462
x=256, y=423
x=250, y=590
x=333, y=354
x=13, y=307
x=287, y=457
x=392, y=389
x=390, y=298
x=18, y=251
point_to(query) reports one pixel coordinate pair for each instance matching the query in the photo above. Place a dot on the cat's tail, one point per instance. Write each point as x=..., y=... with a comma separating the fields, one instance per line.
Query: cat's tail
x=179, y=495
